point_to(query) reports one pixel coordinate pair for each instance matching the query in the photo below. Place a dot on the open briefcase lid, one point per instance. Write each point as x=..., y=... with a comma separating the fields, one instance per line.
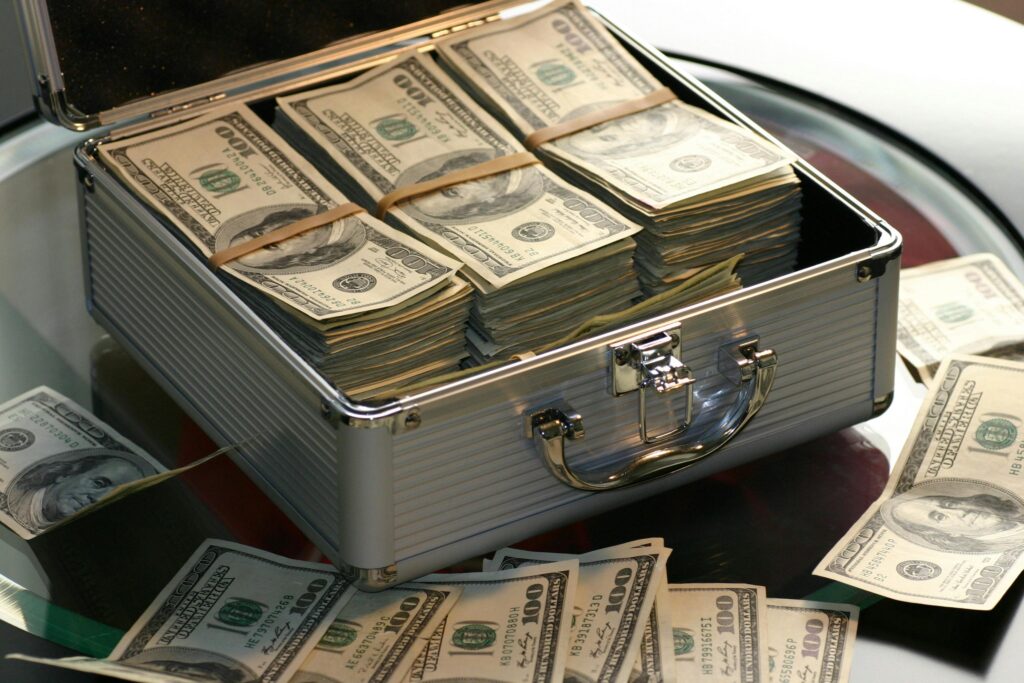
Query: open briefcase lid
x=98, y=63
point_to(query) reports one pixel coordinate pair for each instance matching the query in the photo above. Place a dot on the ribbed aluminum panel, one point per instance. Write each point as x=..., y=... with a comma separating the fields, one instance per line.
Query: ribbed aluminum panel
x=455, y=479
x=178, y=331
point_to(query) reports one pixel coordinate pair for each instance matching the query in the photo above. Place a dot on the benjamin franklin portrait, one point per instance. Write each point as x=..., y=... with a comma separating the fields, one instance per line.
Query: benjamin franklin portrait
x=62, y=484
x=488, y=198
x=647, y=131
x=957, y=515
x=314, y=249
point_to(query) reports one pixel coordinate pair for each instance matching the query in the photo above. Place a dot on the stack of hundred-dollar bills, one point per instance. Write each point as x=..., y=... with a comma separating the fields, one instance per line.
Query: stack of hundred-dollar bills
x=242, y=615
x=369, y=306
x=702, y=188
x=546, y=259
x=542, y=255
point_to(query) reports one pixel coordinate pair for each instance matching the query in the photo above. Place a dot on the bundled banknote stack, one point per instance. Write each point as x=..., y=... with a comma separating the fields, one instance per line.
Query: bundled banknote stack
x=240, y=614
x=702, y=188
x=542, y=255
x=369, y=306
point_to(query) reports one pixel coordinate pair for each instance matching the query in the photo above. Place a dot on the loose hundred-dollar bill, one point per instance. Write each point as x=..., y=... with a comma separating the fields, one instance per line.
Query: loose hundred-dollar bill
x=227, y=178
x=408, y=122
x=377, y=636
x=656, y=662
x=614, y=597
x=810, y=641
x=57, y=460
x=949, y=527
x=559, y=63
x=509, y=626
x=972, y=304
x=719, y=632
x=232, y=613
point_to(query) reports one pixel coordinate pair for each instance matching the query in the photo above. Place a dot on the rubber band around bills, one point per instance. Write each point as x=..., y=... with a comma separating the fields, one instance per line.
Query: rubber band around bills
x=285, y=232
x=594, y=118
x=463, y=175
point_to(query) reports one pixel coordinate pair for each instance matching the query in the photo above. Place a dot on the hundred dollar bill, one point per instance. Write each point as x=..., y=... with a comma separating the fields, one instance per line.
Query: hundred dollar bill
x=377, y=636
x=810, y=641
x=227, y=178
x=509, y=626
x=949, y=527
x=719, y=632
x=616, y=592
x=408, y=122
x=655, y=662
x=57, y=460
x=972, y=304
x=232, y=613
x=558, y=63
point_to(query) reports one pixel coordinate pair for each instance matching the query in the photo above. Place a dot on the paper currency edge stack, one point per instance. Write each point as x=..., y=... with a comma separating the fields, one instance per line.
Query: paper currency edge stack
x=677, y=296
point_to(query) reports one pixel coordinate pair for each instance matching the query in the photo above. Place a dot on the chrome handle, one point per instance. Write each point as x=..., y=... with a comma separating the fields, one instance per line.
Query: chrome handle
x=552, y=426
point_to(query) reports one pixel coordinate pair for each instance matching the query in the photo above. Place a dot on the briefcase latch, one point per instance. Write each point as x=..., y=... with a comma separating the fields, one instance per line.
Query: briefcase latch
x=653, y=364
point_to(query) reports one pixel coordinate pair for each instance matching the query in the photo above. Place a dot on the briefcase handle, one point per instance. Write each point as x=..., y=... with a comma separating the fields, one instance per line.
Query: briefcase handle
x=558, y=423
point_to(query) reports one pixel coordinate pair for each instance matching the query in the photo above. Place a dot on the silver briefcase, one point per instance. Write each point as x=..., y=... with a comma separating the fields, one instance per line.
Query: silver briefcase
x=392, y=490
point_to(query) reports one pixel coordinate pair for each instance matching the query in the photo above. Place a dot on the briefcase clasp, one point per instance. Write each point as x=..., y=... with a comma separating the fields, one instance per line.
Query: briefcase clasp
x=653, y=363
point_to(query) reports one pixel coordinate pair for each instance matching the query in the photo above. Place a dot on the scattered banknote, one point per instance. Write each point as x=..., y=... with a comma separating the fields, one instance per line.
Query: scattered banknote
x=57, y=460
x=949, y=527
x=972, y=304
x=542, y=255
x=377, y=636
x=810, y=641
x=719, y=631
x=656, y=661
x=243, y=615
x=508, y=626
x=232, y=613
x=703, y=188
x=351, y=289
x=614, y=597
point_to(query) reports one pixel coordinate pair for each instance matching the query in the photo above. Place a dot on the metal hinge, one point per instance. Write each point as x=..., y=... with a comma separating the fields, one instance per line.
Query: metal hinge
x=462, y=27
x=178, y=108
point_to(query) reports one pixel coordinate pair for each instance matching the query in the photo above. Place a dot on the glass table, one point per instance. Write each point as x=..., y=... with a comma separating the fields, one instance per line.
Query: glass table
x=77, y=588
